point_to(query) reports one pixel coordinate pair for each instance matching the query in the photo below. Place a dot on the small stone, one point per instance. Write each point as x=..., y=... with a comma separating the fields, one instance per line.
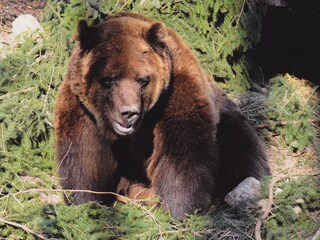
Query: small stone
x=246, y=191
x=278, y=191
x=297, y=210
x=25, y=23
x=300, y=201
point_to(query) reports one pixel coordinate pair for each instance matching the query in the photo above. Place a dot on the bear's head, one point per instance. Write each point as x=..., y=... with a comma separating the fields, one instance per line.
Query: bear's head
x=119, y=70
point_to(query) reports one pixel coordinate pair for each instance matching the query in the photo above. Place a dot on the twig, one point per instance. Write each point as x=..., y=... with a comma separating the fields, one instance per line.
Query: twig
x=305, y=175
x=2, y=139
x=48, y=122
x=241, y=12
x=285, y=123
x=317, y=235
x=24, y=228
x=9, y=94
x=47, y=93
x=180, y=231
x=4, y=41
x=64, y=157
x=59, y=190
x=257, y=230
x=119, y=197
x=55, y=12
x=236, y=227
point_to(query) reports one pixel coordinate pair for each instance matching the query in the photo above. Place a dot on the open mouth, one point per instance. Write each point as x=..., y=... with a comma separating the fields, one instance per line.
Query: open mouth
x=122, y=129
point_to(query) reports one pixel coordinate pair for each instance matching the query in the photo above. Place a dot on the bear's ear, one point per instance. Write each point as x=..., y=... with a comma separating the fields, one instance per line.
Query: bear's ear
x=86, y=35
x=157, y=35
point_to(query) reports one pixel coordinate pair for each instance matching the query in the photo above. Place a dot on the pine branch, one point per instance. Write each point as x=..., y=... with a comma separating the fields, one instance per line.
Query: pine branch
x=24, y=228
x=267, y=211
x=121, y=198
x=9, y=94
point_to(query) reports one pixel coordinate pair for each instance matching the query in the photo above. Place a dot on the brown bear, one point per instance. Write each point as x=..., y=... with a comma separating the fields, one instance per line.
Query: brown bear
x=136, y=109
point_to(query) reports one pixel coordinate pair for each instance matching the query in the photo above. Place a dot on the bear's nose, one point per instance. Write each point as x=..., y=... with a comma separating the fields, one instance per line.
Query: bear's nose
x=129, y=114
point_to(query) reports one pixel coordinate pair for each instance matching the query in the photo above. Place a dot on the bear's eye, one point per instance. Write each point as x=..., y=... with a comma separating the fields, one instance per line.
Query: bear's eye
x=144, y=81
x=108, y=81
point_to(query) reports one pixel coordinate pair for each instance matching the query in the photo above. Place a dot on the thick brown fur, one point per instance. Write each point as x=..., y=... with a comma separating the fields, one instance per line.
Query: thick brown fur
x=137, y=106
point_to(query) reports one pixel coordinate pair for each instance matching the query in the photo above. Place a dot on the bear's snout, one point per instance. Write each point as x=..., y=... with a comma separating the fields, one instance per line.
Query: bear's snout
x=124, y=124
x=130, y=114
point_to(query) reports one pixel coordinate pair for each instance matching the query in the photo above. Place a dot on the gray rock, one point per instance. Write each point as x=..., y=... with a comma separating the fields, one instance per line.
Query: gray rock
x=25, y=23
x=246, y=191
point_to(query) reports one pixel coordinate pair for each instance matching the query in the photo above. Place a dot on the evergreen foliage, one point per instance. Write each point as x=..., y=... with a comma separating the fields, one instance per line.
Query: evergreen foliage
x=290, y=109
x=222, y=32
x=303, y=194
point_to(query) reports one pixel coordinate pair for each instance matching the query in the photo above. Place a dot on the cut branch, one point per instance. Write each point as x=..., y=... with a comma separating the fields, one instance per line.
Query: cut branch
x=119, y=197
x=285, y=123
x=58, y=190
x=267, y=211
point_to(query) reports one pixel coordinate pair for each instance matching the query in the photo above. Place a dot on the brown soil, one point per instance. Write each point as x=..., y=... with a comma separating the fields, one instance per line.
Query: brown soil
x=11, y=9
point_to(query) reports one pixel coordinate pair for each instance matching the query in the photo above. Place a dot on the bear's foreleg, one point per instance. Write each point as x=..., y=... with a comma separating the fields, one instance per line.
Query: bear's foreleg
x=85, y=161
x=183, y=167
